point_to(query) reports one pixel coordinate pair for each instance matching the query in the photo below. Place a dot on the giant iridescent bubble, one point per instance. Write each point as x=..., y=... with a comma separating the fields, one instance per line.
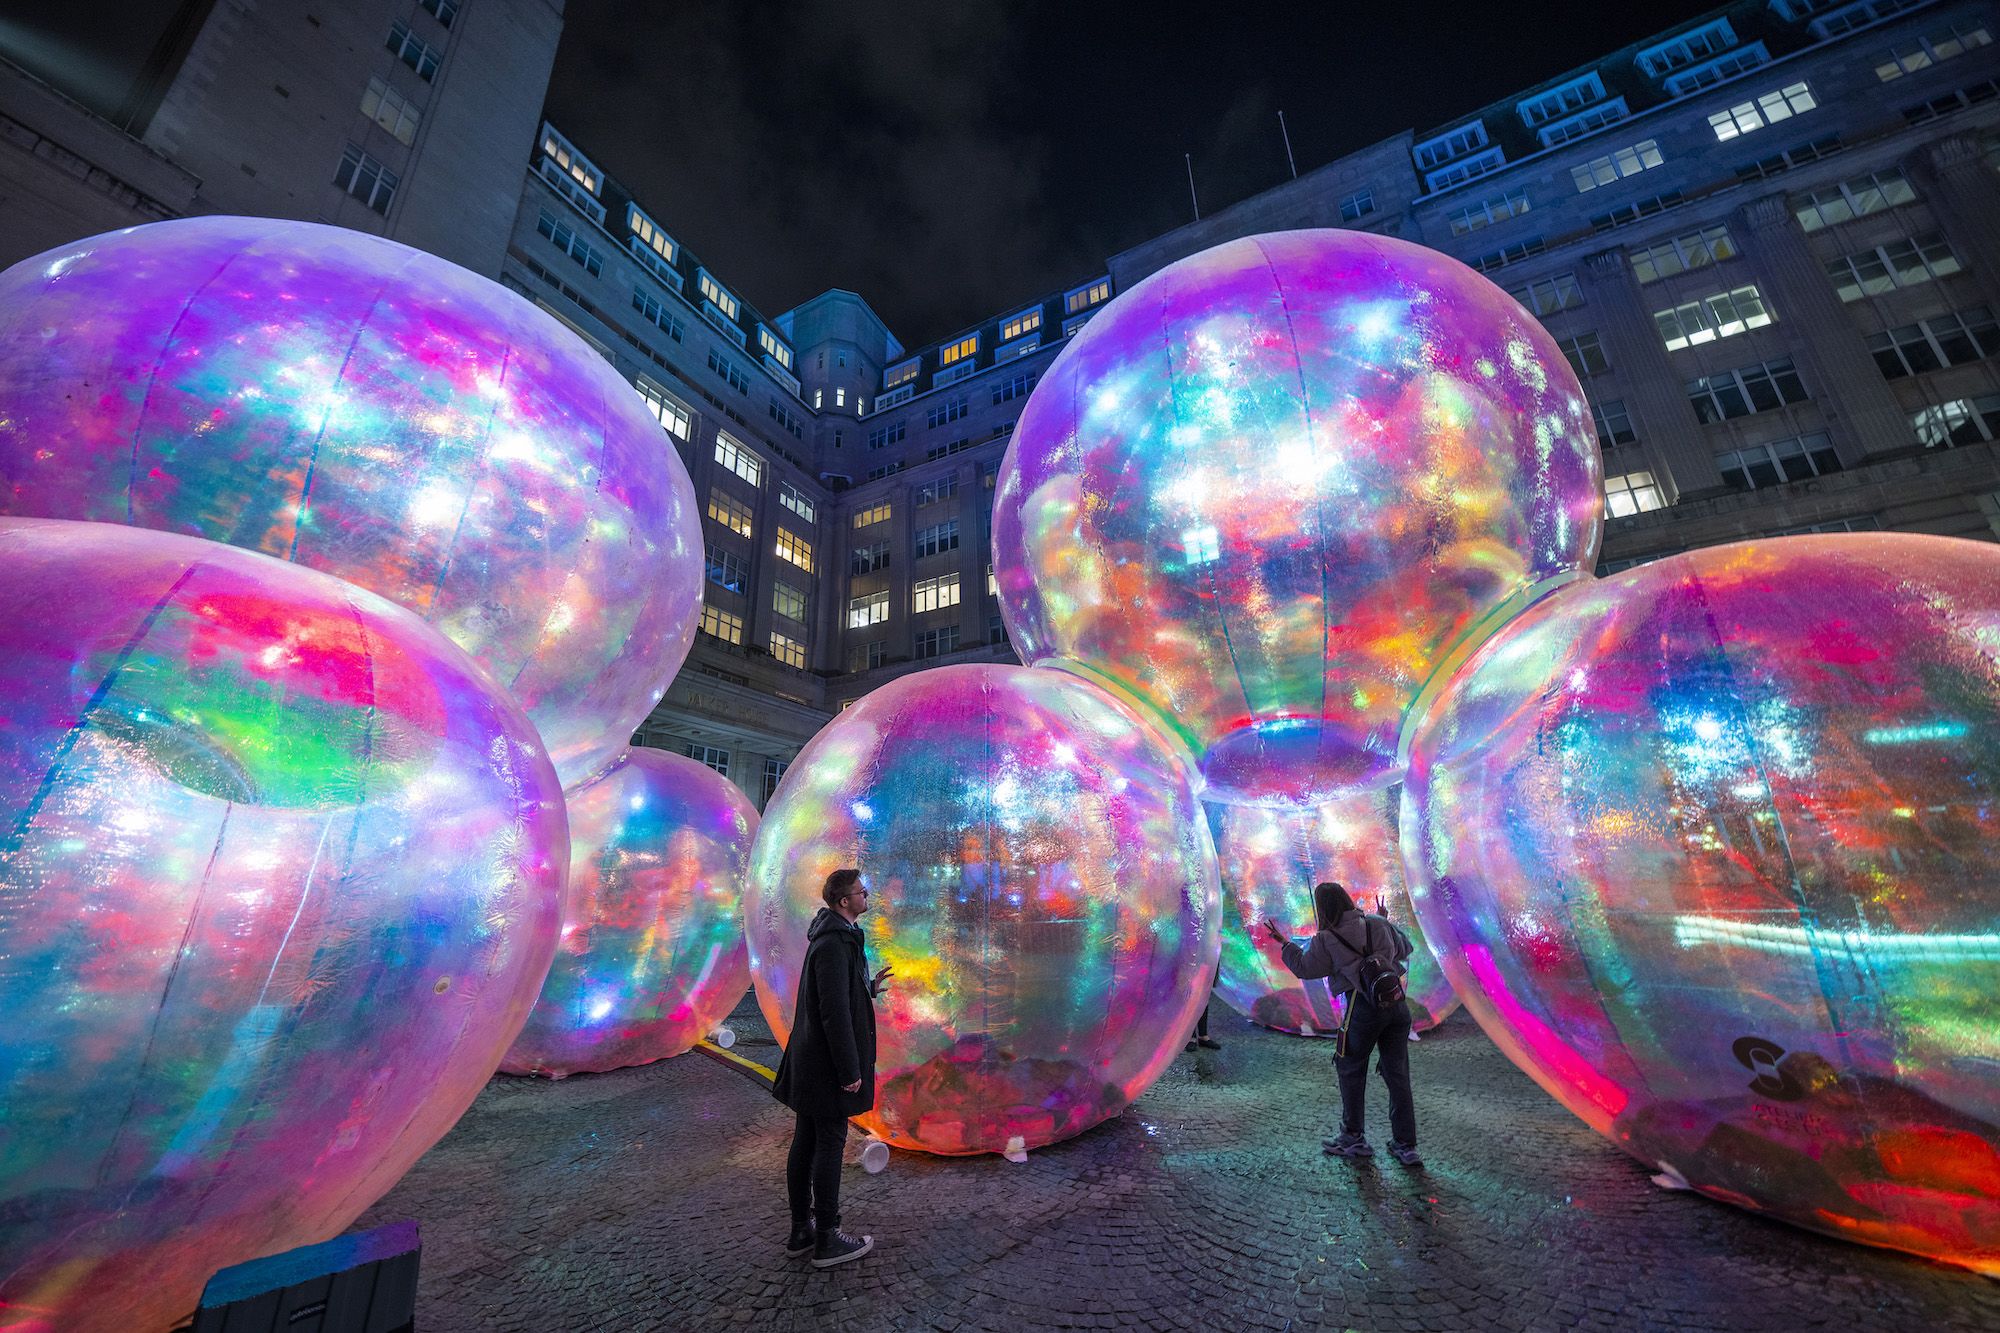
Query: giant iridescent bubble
x=652, y=955
x=1044, y=887
x=1271, y=858
x=365, y=409
x=280, y=876
x=1272, y=488
x=1712, y=850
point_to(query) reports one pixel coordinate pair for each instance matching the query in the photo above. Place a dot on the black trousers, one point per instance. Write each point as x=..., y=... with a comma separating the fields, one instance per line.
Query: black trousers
x=1386, y=1030
x=812, y=1169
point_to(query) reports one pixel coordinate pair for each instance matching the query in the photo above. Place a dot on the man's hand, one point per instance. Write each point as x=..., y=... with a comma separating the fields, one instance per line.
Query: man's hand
x=855, y=1086
x=877, y=984
x=1271, y=928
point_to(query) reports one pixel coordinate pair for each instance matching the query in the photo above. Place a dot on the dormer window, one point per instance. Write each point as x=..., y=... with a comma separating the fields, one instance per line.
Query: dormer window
x=1688, y=48
x=717, y=294
x=1560, y=101
x=578, y=167
x=953, y=353
x=898, y=375
x=1019, y=326
x=774, y=346
x=1442, y=148
x=1093, y=293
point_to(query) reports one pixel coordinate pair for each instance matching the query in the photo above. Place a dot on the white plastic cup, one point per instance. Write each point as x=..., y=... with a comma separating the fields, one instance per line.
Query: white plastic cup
x=725, y=1037
x=875, y=1157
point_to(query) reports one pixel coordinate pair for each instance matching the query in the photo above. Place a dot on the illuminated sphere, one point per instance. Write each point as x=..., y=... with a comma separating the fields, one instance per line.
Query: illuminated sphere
x=1271, y=488
x=1712, y=850
x=652, y=955
x=1043, y=885
x=1271, y=858
x=280, y=876
x=374, y=412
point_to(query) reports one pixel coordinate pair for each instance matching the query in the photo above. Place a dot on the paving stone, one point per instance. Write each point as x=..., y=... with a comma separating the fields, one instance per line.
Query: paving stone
x=654, y=1198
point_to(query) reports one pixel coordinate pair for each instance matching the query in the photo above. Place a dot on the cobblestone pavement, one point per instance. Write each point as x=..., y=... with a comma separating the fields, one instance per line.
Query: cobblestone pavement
x=653, y=1199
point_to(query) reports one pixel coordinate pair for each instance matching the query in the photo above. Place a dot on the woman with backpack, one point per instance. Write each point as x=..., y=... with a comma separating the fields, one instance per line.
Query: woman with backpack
x=1362, y=954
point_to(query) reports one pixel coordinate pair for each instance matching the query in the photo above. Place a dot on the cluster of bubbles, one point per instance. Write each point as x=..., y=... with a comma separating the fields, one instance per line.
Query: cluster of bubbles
x=326, y=568
x=1703, y=846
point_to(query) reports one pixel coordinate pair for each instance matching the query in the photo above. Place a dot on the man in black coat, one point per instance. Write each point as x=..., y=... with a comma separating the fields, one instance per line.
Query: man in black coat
x=828, y=1071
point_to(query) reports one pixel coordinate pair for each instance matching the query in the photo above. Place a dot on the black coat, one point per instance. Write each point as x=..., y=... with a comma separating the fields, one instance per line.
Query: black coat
x=833, y=1028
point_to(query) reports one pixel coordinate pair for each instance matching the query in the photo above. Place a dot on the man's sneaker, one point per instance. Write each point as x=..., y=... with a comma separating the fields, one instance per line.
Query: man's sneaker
x=1406, y=1153
x=801, y=1243
x=837, y=1247
x=1347, y=1145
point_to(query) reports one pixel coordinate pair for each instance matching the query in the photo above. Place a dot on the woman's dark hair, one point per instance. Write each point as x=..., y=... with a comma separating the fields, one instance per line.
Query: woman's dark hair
x=841, y=883
x=1330, y=903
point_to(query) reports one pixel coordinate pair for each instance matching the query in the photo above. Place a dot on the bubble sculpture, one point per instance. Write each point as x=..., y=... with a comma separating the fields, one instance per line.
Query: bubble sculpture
x=1043, y=885
x=652, y=954
x=280, y=876
x=1270, y=859
x=1712, y=850
x=371, y=411
x=1271, y=488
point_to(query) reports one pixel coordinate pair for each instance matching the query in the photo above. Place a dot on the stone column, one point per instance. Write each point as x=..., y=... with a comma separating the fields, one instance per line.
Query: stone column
x=1964, y=195
x=1830, y=350
x=1647, y=379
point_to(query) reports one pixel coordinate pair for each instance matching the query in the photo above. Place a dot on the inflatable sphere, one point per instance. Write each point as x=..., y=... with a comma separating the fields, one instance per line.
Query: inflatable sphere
x=652, y=955
x=1271, y=858
x=1712, y=850
x=1272, y=488
x=280, y=876
x=1042, y=883
x=371, y=411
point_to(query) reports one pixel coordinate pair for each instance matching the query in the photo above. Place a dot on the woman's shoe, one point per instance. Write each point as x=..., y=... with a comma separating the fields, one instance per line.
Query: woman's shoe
x=1208, y=1043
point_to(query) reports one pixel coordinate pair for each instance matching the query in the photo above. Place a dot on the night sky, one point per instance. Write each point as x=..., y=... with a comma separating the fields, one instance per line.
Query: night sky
x=949, y=158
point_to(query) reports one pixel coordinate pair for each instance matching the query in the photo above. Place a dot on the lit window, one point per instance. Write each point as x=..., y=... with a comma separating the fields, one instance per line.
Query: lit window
x=873, y=514
x=387, y=108
x=774, y=347
x=788, y=602
x=413, y=51
x=1696, y=249
x=1641, y=156
x=959, y=350
x=729, y=511
x=717, y=294
x=666, y=409
x=934, y=594
x=898, y=375
x=1766, y=109
x=796, y=500
x=840, y=398
x=870, y=609
x=366, y=179
x=1723, y=315
x=1084, y=297
x=1632, y=493
x=819, y=399
x=574, y=164
x=1905, y=263
x=1021, y=325
x=719, y=624
x=738, y=459
x=796, y=549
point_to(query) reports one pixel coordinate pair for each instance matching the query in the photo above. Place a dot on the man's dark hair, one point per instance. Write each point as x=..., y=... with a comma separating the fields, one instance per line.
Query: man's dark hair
x=838, y=885
x=1331, y=902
